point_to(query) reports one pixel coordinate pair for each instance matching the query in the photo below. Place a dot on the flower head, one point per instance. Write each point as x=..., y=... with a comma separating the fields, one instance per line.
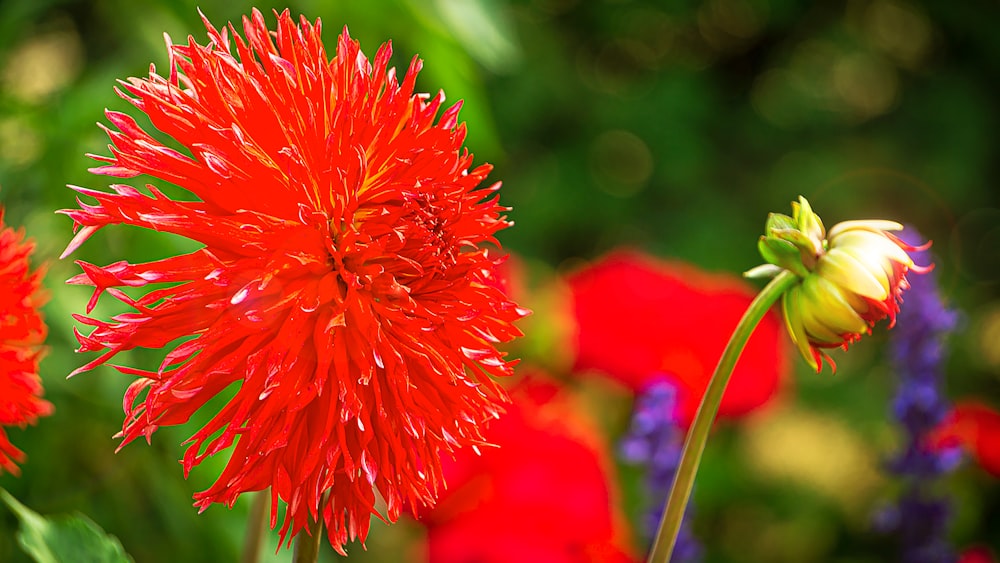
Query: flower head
x=22, y=332
x=851, y=277
x=640, y=319
x=344, y=283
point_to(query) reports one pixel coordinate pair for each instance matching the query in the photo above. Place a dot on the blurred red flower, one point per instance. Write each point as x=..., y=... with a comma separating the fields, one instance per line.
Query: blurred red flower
x=976, y=427
x=344, y=283
x=546, y=494
x=22, y=332
x=977, y=555
x=639, y=319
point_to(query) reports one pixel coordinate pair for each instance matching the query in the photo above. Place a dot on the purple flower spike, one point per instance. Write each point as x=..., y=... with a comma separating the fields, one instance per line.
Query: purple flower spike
x=654, y=441
x=919, y=520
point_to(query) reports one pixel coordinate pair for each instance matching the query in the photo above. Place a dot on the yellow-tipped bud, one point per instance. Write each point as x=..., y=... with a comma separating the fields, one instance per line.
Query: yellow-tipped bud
x=851, y=277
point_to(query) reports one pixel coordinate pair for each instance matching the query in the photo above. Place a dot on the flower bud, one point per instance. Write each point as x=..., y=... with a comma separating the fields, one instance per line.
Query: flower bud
x=851, y=277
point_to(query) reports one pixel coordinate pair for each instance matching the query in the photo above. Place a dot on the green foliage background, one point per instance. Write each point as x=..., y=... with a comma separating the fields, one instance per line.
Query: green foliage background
x=670, y=126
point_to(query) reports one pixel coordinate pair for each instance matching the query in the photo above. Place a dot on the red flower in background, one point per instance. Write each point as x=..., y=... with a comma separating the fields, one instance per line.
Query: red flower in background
x=22, y=332
x=975, y=426
x=344, y=282
x=639, y=318
x=977, y=555
x=546, y=494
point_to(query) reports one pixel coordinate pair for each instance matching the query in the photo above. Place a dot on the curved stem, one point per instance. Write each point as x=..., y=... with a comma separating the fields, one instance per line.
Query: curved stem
x=256, y=524
x=694, y=445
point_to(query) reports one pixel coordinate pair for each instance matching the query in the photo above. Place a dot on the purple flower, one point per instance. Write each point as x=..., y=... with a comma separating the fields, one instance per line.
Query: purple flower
x=919, y=520
x=654, y=441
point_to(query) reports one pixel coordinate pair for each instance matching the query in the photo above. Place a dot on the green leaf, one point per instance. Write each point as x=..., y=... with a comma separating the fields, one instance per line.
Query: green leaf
x=64, y=539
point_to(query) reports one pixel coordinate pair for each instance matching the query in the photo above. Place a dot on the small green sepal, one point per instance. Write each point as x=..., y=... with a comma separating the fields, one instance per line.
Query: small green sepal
x=782, y=253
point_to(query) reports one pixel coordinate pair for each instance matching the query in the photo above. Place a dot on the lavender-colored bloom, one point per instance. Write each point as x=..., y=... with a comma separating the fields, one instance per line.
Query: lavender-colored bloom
x=919, y=521
x=655, y=441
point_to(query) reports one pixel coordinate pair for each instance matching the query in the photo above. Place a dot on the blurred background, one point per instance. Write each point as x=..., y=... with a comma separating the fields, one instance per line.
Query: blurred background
x=668, y=127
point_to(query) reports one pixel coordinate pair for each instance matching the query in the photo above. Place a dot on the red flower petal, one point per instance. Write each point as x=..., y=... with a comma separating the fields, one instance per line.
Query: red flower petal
x=546, y=494
x=639, y=318
x=344, y=285
x=22, y=332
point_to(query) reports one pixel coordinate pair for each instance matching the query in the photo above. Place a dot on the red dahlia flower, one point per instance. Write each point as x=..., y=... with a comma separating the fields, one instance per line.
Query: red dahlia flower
x=639, y=318
x=22, y=332
x=344, y=281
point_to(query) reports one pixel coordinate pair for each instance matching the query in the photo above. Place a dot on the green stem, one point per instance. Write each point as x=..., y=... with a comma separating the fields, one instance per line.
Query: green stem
x=256, y=524
x=307, y=544
x=694, y=445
